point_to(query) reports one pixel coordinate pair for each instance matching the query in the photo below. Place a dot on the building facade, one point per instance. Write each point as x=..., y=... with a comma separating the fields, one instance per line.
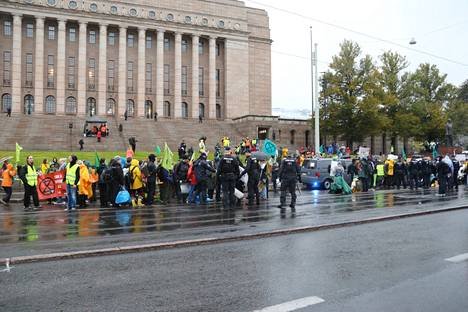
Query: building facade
x=173, y=58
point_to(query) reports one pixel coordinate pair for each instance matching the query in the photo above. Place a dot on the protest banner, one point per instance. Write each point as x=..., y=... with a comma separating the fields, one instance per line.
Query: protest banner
x=51, y=185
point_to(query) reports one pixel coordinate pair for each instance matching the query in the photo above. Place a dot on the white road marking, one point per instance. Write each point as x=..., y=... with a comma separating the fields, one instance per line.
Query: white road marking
x=459, y=258
x=293, y=305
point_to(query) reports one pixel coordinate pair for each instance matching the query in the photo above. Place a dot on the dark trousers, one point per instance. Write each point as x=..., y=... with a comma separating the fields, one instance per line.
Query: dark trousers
x=365, y=184
x=389, y=181
x=427, y=181
x=414, y=181
x=288, y=186
x=202, y=187
x=151, y=186
x=165, y=192
x=442, y=184
x=228, y=186
x=274, y=177
x=252, y=190
x=8, y=190
x=28, y=192
x=400, y=180
x=103, y=195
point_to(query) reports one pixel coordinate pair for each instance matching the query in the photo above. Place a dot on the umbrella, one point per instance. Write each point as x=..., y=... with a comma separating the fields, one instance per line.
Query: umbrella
x=5, y=158
x=260, y=155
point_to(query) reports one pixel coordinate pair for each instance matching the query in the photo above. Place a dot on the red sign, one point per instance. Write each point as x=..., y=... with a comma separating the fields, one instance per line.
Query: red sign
x=51, y=185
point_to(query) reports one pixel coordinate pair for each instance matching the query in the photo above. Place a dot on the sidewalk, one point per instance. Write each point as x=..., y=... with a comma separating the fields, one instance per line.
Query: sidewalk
x=52, y=230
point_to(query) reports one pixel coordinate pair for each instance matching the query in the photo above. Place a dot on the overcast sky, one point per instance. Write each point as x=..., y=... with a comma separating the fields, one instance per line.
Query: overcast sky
x=439, y=27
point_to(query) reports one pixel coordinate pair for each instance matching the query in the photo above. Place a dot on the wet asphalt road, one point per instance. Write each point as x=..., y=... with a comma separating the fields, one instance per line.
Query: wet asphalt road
x=53, y=230
x=388, y=266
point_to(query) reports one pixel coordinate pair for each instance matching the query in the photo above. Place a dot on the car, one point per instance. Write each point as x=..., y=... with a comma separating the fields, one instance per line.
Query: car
x=315, y=173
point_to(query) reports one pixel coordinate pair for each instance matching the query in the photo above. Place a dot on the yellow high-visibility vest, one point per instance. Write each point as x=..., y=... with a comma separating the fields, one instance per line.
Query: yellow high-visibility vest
x=71, y=174
x=31, y=176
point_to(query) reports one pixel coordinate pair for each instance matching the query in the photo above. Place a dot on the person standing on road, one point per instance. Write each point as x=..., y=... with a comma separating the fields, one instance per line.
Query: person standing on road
x=202, y=169
x=72, y=178
x=29, y=175
x=227, y=174
x=400, y=170
x=364, y=174
x=414, y=169
x=180, y=176
x=252, y=169
x=102, y=183
x=7, y=182
x=151, y=179
x=443, y=171
x=288, y=174
x=389, y=172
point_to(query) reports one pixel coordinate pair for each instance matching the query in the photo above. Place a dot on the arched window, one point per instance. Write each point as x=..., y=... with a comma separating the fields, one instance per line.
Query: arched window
x=184, y=110
x=130, y=108
x=6, y=102
x=50, y=105
x=218, y=112
x=201, y=110
x=293, y=136
x=307, y=138
x=149, y=109
x=70, y=105
x=28, y=104
x=167, y=109
x=110, y=107
x=91, y=108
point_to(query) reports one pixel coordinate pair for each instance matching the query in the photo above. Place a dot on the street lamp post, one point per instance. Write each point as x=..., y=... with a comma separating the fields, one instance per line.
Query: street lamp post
x=315, y=92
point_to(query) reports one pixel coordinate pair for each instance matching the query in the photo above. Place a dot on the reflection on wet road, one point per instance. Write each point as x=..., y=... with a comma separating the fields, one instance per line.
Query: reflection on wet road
x=53, y=224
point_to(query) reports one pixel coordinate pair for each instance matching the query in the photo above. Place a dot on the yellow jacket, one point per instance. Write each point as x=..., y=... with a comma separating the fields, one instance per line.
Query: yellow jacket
x=135, y=171
x=85, y=185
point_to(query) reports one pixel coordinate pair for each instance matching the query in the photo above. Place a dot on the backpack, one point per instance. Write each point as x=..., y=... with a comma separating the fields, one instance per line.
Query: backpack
x=182, y=171
x=106, y=176
x=129, y=178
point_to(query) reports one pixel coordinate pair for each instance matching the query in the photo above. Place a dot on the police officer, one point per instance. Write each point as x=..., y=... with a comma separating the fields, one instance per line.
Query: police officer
x=288, y=174
x=414, y=168
x=253, y=170
x=202, y=170
x=426, y=169
x=400, y=171
x=227, y=174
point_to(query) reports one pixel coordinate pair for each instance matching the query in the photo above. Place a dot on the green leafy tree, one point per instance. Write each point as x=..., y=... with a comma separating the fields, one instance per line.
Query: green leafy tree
x=350, y=92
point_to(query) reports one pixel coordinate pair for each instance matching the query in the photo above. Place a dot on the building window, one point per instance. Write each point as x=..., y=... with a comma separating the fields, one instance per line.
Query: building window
x=130, y=40
x=217, y=49
x=166, y=79
x=167, y=44
x=51, y=33
x=6, y=102
x=201, y=84
x=91, y=108
x=130, y=77
x=70, y=105
x=50, y=71
x=110, y=75
x=29, y=104
x=149, y=78
x=92, y=37
x=149, y=42
x=92, y=74
x=110, y=107
x=201, y=47
x=6, y=68
x=148, y=109
x=184, y=79
x=293, y=137
x=72, y=34
x=218, y=77
x=184, y=46
x=7, y=28
x=28, y=82
x=71, y=73
x=218, y=111
x=130, y=108
x=201, y=110
x=29, y=30
x=111, y=38
x=167, y=109
x=184, y=110
x=50, y=105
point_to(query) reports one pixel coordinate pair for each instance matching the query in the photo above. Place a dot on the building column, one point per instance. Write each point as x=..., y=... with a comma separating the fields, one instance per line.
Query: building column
x=16, y=82
x=140, y=107
x=178, y=75
x=102, y=76
x=60, y=101
x=81, y=101
x=212, y=79
x=39, y=65
x=195, y=78
x=160, y=73
x=122, y=71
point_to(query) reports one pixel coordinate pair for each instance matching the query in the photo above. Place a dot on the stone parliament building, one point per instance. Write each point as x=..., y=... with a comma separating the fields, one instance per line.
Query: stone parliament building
x=179, y=60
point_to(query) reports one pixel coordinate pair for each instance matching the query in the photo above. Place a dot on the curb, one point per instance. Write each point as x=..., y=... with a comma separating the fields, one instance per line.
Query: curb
x=210, y=241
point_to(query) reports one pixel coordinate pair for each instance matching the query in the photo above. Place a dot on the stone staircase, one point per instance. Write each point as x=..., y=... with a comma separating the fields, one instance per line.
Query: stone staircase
x=49, y=132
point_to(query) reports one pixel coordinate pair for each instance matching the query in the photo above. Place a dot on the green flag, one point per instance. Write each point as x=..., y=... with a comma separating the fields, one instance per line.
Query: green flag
x=96, y=159
x=403, y=153
x=157, y=150
x=18, y=152
x=167, y=158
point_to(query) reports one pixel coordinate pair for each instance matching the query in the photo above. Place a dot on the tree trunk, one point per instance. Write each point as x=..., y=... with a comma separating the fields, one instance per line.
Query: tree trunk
x=372, y=145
